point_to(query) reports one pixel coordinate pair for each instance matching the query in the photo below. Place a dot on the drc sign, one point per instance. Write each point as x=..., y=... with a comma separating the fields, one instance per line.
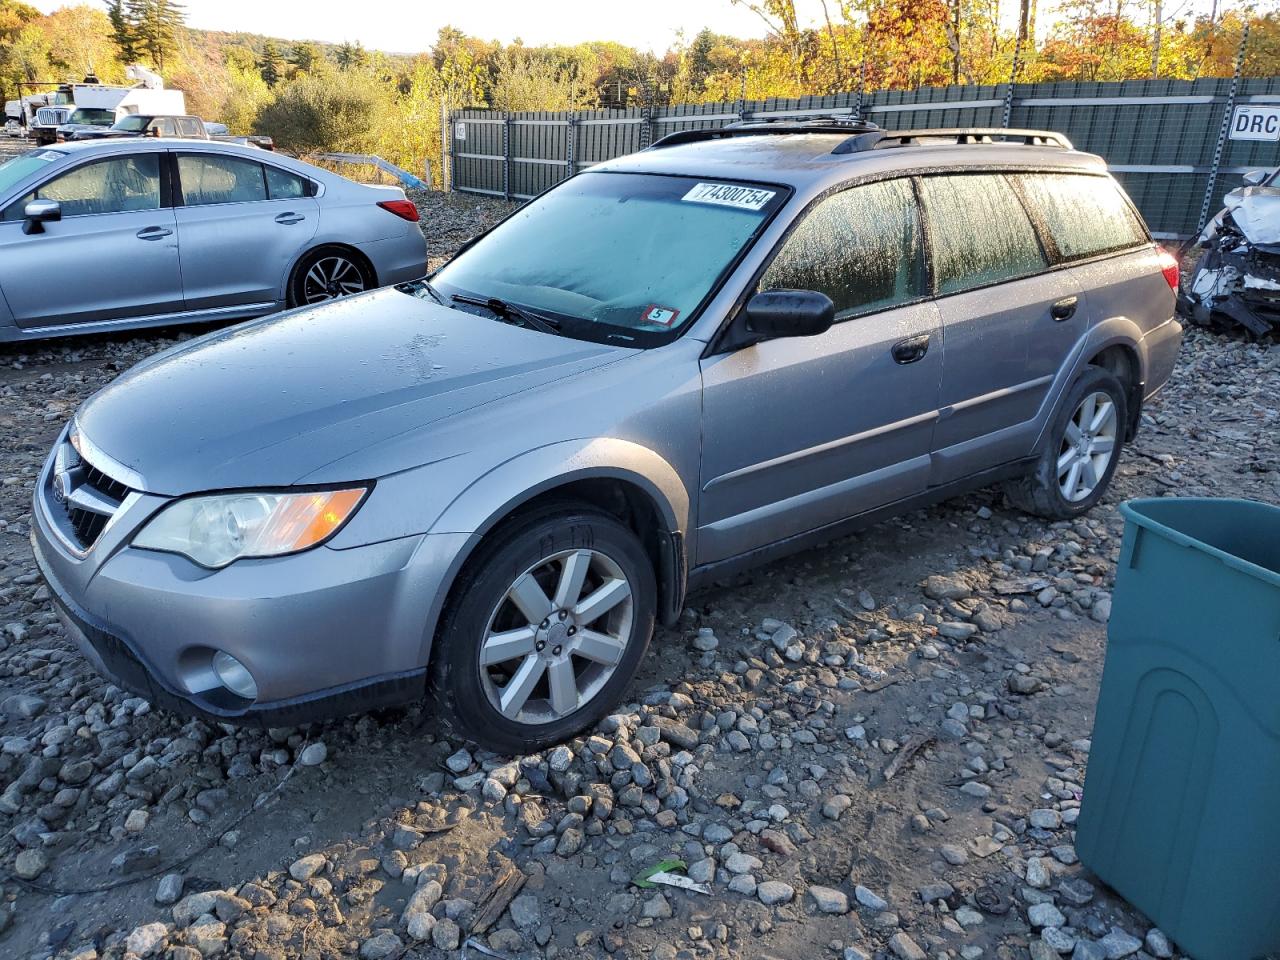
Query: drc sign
x=1256, y=123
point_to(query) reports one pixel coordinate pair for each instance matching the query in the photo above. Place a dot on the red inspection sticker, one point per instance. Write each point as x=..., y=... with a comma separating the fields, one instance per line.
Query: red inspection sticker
x=662, y=316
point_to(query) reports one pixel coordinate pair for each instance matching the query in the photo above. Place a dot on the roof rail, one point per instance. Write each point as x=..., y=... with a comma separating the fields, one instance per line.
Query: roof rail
x=769, y=125
x=1041, y=138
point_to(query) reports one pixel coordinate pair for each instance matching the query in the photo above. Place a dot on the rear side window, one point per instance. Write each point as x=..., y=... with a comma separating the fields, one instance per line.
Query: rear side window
x=979, y=232
x=860, y=247
x=208, y=179
x=165, y=126
x=283, y=185
x=189, y=127
x=1082, y=215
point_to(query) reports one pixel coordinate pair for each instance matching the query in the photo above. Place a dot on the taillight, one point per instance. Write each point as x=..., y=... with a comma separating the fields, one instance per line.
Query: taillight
x=404, y=209
x=1169, y=267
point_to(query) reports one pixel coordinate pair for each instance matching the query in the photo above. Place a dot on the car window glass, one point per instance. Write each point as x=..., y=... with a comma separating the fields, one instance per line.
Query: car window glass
x=118, y=185
x=188, y=127
x=1084, y=215
x=282, y=185
x=210, y=179
x=978, y=231
x=860, y=247
x=165, y=126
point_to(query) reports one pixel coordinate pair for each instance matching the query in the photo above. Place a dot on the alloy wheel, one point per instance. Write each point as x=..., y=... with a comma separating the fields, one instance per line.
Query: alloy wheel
x=1088, y=444
x=331, y=277
x=556, y=636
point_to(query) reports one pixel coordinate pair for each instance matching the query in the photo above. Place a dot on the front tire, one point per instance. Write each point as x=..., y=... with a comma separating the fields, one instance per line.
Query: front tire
x=1080, y=457
x=545, y=630
x=327, y=273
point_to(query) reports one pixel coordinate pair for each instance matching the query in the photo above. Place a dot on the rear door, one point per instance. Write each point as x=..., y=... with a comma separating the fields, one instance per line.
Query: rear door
x=803, y=432
x=242, y=225
x=1009, y=321
x=113, y=255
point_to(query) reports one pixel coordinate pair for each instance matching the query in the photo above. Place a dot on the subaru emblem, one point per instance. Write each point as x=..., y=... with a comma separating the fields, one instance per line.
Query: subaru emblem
x=61, y=481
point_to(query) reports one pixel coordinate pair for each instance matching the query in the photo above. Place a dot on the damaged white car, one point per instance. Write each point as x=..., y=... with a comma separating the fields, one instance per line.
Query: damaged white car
x=1237, y=280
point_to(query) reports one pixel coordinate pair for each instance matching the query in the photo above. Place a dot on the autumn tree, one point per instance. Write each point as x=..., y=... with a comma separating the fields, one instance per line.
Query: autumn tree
x=270, y=63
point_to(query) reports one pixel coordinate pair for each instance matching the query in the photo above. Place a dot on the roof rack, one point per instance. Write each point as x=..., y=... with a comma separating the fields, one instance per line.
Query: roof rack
x=1037, y=138
x=821, y=123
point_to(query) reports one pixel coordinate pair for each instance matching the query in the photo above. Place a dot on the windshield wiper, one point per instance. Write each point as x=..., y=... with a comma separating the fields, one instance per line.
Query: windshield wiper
x=511, y=312
x=436, y=295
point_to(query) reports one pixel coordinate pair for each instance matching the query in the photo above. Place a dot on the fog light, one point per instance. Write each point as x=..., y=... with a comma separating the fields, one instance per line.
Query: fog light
x=235, y=676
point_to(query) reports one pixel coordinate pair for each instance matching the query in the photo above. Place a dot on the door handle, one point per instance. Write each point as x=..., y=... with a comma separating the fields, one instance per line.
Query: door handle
x=911, y=349
x=1064, y=309
x=154, y=233
x=290, y=217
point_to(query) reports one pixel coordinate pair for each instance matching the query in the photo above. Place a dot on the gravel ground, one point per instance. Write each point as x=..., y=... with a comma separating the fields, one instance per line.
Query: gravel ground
x=961, y=645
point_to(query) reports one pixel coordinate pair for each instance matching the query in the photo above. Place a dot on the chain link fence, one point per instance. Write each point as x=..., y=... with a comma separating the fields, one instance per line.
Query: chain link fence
x=1159, y=137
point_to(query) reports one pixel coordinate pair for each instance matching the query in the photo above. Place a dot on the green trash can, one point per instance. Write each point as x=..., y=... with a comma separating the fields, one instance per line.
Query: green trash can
x=1181, y=808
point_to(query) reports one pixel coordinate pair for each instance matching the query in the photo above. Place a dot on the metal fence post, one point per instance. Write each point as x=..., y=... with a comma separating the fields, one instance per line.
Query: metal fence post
x=1013, y=78
x=1220, y=146
x=506, y=155
x=446, y=145
x=571, y=138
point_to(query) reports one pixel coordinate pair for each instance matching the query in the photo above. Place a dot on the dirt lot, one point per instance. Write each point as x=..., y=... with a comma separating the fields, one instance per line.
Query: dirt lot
x=753, y=747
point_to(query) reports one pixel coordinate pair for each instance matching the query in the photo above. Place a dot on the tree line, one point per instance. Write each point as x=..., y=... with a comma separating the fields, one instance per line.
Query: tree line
x=315, y=96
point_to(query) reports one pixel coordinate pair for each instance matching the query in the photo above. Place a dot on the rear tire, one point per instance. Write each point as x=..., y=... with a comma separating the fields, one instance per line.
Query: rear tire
x=1082, y=451
x=545, y=629
x=328, y=273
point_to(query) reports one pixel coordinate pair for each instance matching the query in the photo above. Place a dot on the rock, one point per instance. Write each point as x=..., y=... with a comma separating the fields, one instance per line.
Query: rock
x=967, y=917
x=904, y=948
x=313, y=754
x=560, y=759
x=938, y=587
x=25, y=705
x=1076, y=891
x=445, y=935
x=459, y=762
x=836, y=806
x=526, y=912
x=307, y=867
x=417, y=918
x=933, y=892
x=738, y=862
x=1045, y=915
x=955, y=630
x=656, y=908
x=956, y=856
x=570, y=842
x=1088, y=950
x=136, y=821
x=169, y=889
x=828, y=899
x=147, y=939
x=196, y=905
x=29, y=864
x=208, y=935
x=705, y=640
x=1045, y=819
x=869, y=900
x=1101, y=610
x=380, y=947
x=1038, y=873
x=1024, y=684
x=1118, y=944
x=773, y=892
x=1158, y=944
x=976, y=788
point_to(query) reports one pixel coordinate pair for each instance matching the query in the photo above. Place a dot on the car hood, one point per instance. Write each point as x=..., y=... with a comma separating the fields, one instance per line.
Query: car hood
x=269, y=402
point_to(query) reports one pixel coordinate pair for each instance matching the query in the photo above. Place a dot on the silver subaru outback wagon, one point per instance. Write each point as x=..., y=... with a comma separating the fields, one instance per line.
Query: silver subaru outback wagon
x=488, y=486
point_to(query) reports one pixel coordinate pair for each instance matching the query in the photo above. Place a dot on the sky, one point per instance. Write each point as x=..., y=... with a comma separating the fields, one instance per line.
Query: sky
x=409, y=26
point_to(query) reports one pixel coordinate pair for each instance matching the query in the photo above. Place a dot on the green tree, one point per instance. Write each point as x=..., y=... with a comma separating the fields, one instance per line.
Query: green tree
x=270, y=63
x=327, y=112
x=155, y=25
x=305, y=56
x=122, y=30
x=351, y=56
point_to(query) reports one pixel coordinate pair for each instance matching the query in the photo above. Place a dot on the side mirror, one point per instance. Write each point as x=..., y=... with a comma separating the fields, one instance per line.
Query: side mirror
x=789, y=313
x=38, y=213
x=1255, y=178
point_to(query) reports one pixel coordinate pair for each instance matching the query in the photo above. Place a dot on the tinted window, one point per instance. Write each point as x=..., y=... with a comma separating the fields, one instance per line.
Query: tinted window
x=1083, y=215
x=188, y=127
x=979, y=232
x=282, y=185
x=210, y=179
x=107, y=186
x=860, y=247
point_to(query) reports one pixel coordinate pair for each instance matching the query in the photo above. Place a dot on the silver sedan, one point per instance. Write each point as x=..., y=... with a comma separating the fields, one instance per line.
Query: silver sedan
x=110, y=235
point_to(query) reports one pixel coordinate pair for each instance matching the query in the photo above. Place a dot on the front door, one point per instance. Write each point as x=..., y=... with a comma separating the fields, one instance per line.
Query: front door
x=242, y=224
x=801, y=433
x=113, y=255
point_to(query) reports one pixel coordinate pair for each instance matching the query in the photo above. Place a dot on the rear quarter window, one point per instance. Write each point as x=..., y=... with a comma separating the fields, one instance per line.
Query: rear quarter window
x=1082, y=215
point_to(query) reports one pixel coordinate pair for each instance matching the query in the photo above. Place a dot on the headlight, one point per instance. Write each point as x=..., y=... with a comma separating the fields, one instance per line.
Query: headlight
x=213, y=531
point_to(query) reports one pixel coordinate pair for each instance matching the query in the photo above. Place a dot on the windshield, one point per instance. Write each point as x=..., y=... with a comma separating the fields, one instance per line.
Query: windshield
x=132, y=124
x=17, y=169
x=618, y=257
x=92, y=115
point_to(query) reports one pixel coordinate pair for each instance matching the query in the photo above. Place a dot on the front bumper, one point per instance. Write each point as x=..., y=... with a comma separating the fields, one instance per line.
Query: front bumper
x=324, y=633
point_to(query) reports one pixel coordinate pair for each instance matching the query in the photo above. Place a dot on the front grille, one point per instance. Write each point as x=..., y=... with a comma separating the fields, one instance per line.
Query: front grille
x=87, y=497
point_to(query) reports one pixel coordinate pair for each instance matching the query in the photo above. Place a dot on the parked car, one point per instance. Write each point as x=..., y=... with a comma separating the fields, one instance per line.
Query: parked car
x=134, y=233
x=492, y=483
x=84, y=119
x=188, y=127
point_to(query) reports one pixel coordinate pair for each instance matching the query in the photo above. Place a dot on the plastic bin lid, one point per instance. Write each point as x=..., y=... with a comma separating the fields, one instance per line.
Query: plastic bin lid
x=1249, y=526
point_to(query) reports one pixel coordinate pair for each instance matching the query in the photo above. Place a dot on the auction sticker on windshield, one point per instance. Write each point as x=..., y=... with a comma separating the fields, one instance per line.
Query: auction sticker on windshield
x=730, y=195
